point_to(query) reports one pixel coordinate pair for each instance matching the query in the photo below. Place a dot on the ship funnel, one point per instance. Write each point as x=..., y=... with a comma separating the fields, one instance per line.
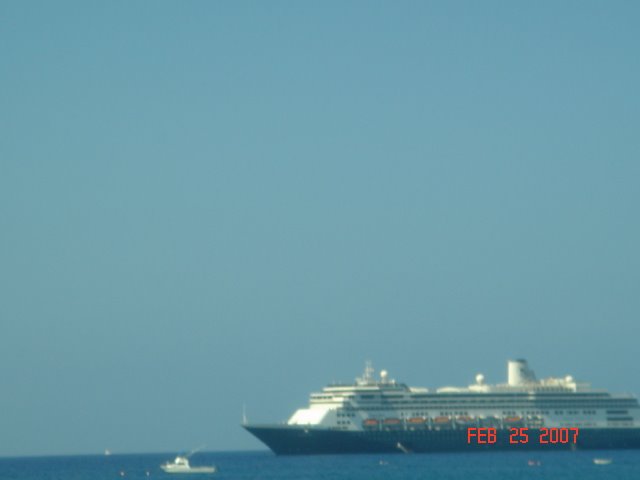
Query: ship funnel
x=519, y=373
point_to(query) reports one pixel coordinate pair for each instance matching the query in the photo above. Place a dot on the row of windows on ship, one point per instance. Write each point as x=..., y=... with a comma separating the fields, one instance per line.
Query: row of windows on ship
x=444, y=421
x=504, y=412
x=560, y=391
x=521, y=406
x=473, y=398
x=570, y=409
x=450, y=419
x=577, y=402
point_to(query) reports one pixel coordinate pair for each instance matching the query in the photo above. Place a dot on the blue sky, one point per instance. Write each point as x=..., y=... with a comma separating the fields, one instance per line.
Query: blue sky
x=205, y=204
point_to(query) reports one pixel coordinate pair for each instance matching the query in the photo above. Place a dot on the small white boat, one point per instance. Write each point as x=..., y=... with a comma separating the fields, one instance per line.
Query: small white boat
x=181, y=465
x=602, y=461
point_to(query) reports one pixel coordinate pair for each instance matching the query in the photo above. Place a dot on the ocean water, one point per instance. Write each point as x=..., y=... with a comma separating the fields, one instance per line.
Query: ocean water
x=266, y=466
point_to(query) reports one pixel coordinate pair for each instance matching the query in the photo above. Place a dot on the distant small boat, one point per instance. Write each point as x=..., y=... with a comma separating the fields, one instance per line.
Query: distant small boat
x=181, y=465
x=107, y=452
x=602, y=461
x=534, y=463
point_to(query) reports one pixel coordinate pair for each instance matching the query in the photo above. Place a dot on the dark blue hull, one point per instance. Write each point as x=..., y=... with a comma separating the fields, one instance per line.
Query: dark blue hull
x=296, y=440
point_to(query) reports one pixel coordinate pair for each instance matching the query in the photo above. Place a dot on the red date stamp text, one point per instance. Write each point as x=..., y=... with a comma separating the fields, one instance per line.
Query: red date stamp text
x=489, y=435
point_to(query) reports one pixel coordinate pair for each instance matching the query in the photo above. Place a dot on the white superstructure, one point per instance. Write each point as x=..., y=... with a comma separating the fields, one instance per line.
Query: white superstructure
x=380, y=403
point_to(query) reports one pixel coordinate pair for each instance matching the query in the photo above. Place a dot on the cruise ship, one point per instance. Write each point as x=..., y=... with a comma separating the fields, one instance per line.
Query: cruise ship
x=379, y=415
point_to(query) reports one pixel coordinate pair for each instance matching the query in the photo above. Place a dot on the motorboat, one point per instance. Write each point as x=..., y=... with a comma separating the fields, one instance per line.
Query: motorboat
x=181, y=465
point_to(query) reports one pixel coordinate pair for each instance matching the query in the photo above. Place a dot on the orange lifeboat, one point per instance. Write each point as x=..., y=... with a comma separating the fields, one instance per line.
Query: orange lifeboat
x=441, y=420
x=512, y=420
x=414, y=423
x=442, y=423
x=370, y=423
x=391, y=421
